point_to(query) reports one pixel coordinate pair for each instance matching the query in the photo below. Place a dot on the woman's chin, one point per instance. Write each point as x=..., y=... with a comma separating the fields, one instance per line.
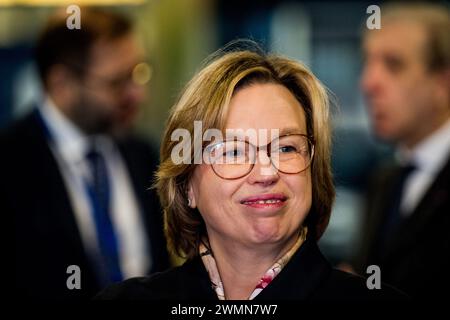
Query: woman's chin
x=266, y=233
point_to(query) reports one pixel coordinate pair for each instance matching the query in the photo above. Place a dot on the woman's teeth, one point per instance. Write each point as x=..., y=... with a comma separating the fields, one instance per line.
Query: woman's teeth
x=262, y=201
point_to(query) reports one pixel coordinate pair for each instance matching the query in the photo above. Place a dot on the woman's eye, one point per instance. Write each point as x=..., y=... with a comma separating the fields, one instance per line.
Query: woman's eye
x=288, y=149
x=233, y=153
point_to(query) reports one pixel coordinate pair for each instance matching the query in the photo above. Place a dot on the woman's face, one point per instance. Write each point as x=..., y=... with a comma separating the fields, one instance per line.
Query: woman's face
x=229, y=207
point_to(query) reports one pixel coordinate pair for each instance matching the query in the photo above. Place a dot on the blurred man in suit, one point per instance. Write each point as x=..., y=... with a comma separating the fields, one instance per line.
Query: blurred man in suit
x=406, y=81
x=73, y=178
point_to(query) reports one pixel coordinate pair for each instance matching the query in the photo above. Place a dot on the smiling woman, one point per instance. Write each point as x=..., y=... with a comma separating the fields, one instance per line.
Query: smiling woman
x=249, y=226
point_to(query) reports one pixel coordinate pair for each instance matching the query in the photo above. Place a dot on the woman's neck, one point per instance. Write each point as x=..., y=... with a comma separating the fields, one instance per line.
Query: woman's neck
x=241, y=267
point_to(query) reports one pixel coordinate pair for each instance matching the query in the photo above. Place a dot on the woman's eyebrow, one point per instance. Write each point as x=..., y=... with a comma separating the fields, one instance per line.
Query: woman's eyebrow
x=291, y=130
x=238, y=135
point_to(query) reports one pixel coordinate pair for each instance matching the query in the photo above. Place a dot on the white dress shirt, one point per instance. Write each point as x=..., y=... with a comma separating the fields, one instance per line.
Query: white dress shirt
x=429, y=156
x=69, y=145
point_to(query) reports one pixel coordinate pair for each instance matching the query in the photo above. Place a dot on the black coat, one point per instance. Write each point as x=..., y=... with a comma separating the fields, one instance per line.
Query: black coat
x=416, y=258
x=307, y=276
x=46, y=236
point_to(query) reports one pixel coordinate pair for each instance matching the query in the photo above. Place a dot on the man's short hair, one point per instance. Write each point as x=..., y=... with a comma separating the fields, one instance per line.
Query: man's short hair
x=435, y=18
x=72, y=47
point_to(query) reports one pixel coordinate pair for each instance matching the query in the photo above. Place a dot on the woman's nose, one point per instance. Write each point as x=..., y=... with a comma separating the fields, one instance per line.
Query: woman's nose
x=263, y=172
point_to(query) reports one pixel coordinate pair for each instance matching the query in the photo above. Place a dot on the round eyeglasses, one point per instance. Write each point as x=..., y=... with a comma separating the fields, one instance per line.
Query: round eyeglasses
x=234, y=159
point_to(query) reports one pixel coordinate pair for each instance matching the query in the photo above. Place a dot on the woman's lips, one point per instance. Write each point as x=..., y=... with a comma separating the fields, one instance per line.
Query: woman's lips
x=273, y=200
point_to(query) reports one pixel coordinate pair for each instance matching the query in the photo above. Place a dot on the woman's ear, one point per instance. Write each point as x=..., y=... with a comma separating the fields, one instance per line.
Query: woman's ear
x=191, y=196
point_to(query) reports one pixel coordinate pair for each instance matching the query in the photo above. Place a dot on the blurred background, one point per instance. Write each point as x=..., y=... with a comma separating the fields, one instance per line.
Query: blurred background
x=180, y=34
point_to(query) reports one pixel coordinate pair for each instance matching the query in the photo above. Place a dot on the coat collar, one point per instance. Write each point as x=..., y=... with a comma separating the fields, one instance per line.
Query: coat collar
x=301, y=276
x=298, y=280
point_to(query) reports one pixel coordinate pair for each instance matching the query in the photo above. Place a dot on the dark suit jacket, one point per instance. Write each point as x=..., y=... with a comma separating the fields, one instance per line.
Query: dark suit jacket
x=307, y=276
x=416, y=256
x=46, y=236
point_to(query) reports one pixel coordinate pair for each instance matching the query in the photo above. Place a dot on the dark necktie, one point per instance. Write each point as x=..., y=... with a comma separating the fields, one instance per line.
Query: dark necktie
x=393, y=213
x=99, y=193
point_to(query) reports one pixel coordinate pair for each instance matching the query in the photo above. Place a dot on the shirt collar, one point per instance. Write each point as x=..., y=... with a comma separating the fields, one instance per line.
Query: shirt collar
x=430, y=154
x=69, y=140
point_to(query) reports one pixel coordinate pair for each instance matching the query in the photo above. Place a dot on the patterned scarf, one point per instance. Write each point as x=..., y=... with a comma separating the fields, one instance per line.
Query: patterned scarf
x=274, y=270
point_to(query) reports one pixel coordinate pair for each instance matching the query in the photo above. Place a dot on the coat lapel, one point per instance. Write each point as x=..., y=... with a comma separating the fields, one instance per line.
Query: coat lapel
x=301, y=276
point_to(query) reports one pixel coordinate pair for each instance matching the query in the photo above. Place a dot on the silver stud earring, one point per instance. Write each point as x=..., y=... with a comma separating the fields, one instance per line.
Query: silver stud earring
x=189, y=202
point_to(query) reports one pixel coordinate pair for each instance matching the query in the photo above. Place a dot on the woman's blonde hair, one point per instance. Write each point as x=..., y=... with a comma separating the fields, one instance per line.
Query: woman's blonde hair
x=206, y=98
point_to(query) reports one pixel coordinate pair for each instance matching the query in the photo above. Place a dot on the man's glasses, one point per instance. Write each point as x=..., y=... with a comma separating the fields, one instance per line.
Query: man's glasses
x=234, y=159
x=140, y=74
